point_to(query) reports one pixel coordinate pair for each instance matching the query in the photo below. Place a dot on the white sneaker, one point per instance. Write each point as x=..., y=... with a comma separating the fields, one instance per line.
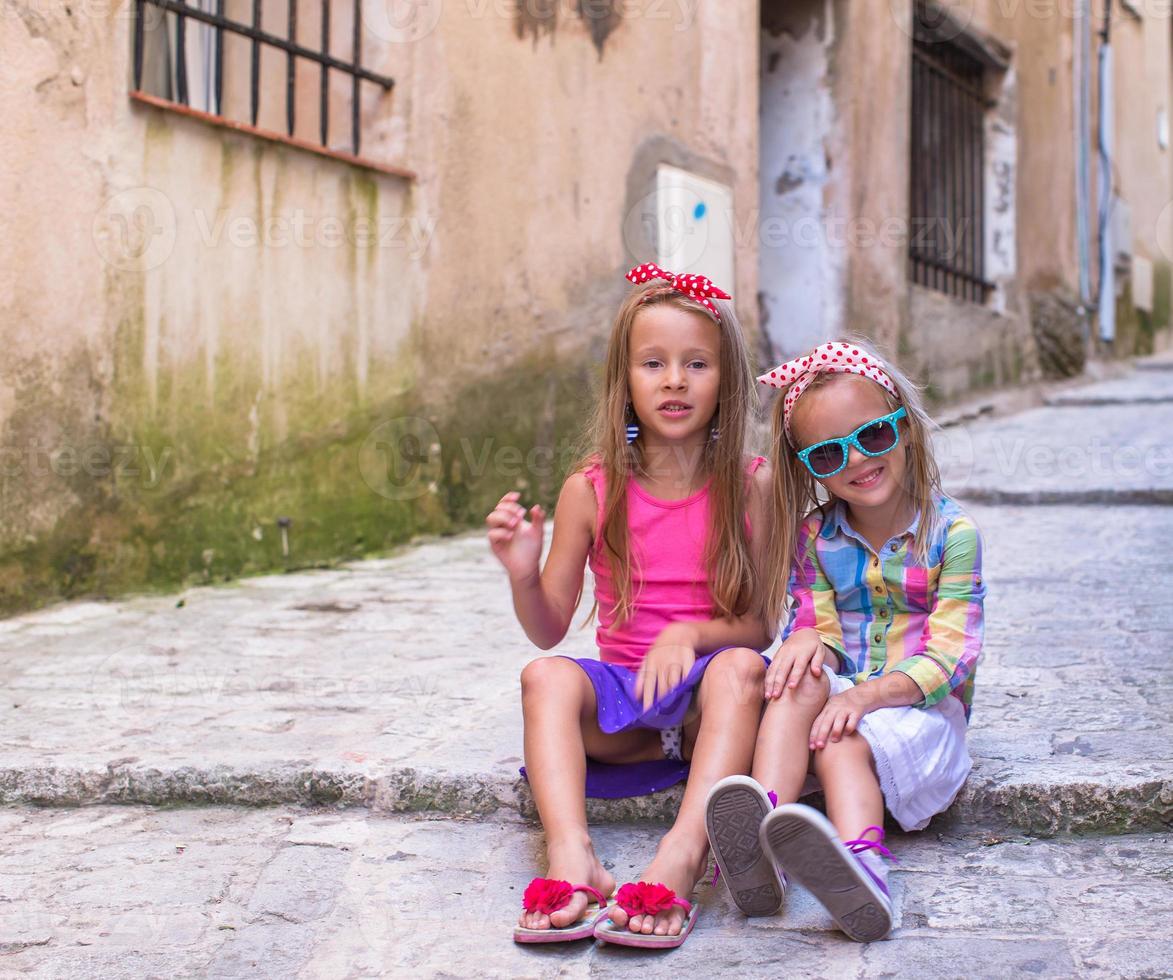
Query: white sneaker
x=733, y=814
x=804, y=842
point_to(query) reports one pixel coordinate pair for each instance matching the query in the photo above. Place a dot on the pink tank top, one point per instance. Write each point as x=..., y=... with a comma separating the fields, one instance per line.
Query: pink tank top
x=669, y=577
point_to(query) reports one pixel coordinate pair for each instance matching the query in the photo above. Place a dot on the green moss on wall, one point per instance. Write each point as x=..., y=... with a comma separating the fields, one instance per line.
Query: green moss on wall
x=1149, y=324
x=351, y=486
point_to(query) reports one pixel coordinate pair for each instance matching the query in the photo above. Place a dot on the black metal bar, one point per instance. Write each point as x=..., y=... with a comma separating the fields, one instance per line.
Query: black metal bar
x=290, y=71
x=973, y=120
x=357, y=51
x=324, y=109
x=935, y=202
x=979, y=157
x=181, y=57
x=139, y=6
x=219, y=59
x=964, y=204
x=272, y=40
x=914, y=158
x=255, y=73
x=952, y=210
x=922, y=178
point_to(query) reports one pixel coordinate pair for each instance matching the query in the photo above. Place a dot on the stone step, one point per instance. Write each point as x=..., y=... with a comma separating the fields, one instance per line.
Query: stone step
x=1064, y=802
x=1111, y=454
x=394, y=684
x=229, y=892
x=1157, y=362
x=1148, y=388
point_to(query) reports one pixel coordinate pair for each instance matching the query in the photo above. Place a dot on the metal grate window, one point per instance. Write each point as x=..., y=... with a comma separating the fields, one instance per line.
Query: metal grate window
x=947, y=201
x=207, y=17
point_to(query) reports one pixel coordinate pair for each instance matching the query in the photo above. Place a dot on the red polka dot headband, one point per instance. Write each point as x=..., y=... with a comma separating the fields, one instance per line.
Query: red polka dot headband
x=694, y=287
x=798, y=374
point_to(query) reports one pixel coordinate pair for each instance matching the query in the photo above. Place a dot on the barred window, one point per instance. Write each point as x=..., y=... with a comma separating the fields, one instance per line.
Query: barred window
x=270, y=66
x=946, y=250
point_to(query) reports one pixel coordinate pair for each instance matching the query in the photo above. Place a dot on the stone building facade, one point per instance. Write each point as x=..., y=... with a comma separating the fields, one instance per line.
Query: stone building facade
x=265, y=307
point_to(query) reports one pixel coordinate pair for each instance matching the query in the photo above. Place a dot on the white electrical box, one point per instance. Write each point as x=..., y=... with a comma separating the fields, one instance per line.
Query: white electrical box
x=694, y=226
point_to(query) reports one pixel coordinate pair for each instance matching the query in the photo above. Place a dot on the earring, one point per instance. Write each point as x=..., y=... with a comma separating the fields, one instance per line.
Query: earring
x=714, y=433
x=632, y=427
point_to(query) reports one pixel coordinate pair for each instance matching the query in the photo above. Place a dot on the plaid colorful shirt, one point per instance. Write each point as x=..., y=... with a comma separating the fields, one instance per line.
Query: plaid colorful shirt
x=885, y=612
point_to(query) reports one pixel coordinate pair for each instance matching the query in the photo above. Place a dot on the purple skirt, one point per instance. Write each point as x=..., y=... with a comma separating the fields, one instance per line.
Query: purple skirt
x=618, y=710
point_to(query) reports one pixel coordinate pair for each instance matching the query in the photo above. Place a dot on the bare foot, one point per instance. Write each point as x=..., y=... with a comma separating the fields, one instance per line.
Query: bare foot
x=678, y=864
x=572, y=861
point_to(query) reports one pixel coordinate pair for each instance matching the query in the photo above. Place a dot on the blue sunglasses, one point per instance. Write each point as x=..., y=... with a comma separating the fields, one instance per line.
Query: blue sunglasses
x=874, y=438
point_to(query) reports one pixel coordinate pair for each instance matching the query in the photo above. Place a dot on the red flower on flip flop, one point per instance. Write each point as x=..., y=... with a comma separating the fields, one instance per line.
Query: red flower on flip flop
x=645, y=898
x=547, y=895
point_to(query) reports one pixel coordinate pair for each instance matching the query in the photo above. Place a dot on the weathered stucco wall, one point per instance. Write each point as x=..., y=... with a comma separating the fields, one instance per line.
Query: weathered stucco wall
x=205, y=332
x=1143, y=174
x=801, y=240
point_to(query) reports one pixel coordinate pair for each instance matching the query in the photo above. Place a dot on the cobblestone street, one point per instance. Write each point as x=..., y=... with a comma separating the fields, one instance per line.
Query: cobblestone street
x=315, y=774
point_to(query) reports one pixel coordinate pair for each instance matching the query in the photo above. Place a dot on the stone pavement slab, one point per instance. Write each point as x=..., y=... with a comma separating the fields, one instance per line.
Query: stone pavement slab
x=1136, y=388
x=394, y=684
x=1156, y=362
x=114, y=892
x=1108, y=454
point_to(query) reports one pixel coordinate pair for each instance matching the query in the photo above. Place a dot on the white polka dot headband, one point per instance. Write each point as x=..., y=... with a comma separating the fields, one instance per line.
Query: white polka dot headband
x=694, y=287
x=798, y=374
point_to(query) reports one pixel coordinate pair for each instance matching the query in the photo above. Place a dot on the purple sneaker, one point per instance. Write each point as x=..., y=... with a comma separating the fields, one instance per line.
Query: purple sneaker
x=733, y=814
x=804, y=842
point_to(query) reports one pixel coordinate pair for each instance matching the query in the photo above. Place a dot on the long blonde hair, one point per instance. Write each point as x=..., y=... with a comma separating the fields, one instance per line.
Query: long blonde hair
x=731, y=576
x=794, y=491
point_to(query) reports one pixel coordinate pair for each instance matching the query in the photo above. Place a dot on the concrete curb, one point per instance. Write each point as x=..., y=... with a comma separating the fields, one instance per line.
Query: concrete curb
x=1096, y=401
x=1141, y=496
x=1097, y=805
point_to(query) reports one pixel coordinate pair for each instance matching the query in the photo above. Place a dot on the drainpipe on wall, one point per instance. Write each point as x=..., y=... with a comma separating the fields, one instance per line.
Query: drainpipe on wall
x=1082, y=83
x=1107, y=259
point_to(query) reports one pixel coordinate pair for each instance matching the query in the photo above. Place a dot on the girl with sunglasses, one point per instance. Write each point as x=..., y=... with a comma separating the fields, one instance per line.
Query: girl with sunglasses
x=872, y=686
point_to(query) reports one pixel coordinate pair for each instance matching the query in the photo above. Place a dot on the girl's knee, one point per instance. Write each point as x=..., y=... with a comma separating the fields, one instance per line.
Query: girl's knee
x=735, y=675
x=741, y=663
x=812, y=691
x=540, y=677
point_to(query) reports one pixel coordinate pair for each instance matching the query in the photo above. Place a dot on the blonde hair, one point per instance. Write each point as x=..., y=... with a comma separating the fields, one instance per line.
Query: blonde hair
x=731, y=577
x=794, y=493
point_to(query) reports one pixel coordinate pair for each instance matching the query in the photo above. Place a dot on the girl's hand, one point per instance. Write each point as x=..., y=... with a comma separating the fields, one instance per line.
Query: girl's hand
x=803, y=650
x=666, y=664
x=841, y=715
x=516, y=542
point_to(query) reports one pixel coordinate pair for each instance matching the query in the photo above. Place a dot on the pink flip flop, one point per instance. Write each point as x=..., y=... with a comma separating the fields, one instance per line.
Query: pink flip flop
x=548, y=895
x=644, y=898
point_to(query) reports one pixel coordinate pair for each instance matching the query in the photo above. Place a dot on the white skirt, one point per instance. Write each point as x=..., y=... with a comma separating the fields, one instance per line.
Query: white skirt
x=920, y=756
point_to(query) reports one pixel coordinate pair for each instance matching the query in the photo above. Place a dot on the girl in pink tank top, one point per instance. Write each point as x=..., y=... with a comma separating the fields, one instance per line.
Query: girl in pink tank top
x=662, y=510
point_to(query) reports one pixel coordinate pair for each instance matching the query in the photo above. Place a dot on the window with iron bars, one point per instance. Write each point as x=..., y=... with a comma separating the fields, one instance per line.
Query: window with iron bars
x=946, y=245
x=193, y=54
